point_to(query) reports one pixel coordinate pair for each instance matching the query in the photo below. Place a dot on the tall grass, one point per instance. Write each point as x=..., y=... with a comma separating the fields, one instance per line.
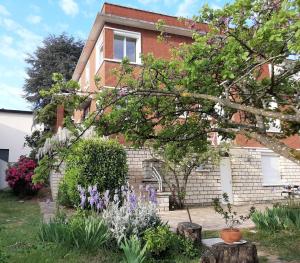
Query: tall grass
x=281, y=217
x=83, y=233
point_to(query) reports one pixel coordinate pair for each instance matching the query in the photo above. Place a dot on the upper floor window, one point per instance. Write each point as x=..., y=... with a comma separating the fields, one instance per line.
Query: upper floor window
x=99, y=53
x=87, y=76
x=127, y=44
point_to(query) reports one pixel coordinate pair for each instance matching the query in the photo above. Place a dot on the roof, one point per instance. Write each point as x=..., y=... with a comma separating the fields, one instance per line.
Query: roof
x=132, y=17
x=16, y=111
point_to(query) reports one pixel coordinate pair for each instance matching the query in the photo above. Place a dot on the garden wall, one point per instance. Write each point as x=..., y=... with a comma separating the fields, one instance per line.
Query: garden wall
x=205, y=184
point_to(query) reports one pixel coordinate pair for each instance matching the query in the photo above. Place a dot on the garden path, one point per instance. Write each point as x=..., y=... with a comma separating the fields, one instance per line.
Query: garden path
x=207, y=217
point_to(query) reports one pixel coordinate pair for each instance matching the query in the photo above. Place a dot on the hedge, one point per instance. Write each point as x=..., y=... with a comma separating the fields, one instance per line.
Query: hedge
x=93, y=162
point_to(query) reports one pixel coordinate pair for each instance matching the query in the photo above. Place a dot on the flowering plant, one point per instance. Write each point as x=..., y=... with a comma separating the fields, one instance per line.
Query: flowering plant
x=19, y=176
x=125, y=212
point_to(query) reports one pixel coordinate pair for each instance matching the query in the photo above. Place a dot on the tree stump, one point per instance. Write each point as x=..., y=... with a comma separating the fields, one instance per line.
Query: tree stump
x=191, y=231
x=234, y=253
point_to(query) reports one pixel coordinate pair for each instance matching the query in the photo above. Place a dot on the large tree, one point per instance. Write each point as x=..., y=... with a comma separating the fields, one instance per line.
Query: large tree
x=218, y=84
x=57, y=54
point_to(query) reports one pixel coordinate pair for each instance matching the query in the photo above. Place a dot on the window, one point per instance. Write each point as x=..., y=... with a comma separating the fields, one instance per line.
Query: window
x=127, y=44
x=87, y=75
x=86, y=112
x=99, y=53
x=270, y=169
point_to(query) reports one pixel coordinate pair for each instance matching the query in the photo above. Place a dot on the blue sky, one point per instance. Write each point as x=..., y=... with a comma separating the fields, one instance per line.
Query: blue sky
x=24, y=24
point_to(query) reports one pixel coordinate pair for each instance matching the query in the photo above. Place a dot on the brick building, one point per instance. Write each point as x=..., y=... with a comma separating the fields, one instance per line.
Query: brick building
x=251, y=173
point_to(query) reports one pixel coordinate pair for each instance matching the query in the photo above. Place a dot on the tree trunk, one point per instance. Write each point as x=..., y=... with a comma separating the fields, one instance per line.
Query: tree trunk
x=190, y=231
x=235, y=253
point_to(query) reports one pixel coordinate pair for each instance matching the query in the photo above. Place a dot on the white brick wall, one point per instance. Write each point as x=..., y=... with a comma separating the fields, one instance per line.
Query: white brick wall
x=205, y=185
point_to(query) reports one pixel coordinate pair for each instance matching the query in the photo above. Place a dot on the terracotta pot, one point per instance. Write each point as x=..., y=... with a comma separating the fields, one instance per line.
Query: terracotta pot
x=230, y=235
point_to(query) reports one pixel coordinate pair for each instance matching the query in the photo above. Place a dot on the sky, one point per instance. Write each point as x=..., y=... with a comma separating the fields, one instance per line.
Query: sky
x=25, y=23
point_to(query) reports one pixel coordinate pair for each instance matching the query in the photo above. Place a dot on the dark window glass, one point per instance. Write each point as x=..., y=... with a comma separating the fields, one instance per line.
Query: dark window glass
x=131, y=49
x=118, y=47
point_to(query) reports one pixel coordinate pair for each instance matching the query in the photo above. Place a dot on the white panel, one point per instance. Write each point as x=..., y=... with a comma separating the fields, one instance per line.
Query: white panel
x=226, y=177
x=270, y=169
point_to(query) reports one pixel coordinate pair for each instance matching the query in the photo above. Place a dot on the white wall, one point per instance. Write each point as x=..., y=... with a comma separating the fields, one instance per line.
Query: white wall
x=13, y=129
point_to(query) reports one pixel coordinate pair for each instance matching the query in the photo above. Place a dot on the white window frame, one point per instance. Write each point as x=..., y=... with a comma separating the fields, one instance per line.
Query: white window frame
x=277, y=180
x=87, y=76
x=138, y=46
x=99, y=60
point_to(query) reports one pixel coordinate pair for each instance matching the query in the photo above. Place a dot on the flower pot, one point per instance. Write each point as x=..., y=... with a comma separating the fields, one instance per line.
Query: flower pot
x=230, y=235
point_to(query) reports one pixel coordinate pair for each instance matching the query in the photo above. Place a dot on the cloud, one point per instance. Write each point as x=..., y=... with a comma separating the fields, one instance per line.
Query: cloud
x=186, y=8
x=19, y=40
x=70, y=7
x=34, y=19
x=4, y=11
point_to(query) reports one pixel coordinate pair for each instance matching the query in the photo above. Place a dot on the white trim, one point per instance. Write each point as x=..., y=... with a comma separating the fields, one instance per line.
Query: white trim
x=138, y=44
x=119, y=61
x=122, y=30
x=99, y=45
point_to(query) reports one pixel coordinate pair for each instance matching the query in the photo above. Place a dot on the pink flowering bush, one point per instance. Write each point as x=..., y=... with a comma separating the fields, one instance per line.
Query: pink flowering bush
x=19, y=176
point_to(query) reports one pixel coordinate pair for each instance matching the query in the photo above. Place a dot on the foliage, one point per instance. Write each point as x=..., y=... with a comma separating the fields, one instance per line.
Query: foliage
x=188, y=247
x=231, y=217
x=133, y=250
x=282, y=217
x=19, y=176
x=87, y=233
x=158, y=239
x=56, y=54
x=131, y=215
x=217, y=83
x=94, y=162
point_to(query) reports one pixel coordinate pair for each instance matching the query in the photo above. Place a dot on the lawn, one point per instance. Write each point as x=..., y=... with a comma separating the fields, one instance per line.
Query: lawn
x=19, y=226
x=19, y=242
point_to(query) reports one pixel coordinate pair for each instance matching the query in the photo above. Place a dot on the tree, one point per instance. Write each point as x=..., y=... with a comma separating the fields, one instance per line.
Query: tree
x=58, y=54
x=178, y=162
x=217, y=83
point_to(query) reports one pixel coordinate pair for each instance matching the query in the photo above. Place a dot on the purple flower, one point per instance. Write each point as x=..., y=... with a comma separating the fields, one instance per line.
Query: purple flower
x=100, y=205
x=82, y=201
x=132, y=201
x=152, y=195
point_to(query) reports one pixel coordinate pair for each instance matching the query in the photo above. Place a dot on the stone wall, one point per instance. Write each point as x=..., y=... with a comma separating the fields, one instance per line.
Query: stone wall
x=55, y=178
x=205, y=184
x=247, y=177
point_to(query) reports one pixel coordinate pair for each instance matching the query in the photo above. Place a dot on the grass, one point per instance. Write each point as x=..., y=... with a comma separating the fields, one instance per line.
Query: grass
x=19, y=227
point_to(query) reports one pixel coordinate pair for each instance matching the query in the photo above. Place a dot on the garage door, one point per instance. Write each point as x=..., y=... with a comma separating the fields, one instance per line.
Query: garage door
x=3, y=166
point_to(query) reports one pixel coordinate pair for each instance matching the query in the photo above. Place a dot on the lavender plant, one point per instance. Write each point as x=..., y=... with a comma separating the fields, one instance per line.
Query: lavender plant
x=125, y=212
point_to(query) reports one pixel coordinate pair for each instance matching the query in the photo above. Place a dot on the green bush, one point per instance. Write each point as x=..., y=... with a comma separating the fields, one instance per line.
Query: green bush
x=87, y=233
x=282, y=217
x=93, y=162
x=158, y=240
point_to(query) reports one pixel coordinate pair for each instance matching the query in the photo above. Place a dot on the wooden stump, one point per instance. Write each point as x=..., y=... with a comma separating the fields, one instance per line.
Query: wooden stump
x=189, y=230
x=235, y=253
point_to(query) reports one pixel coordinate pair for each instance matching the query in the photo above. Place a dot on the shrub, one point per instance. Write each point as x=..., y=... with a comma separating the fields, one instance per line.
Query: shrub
x=94, y=162
x=132, y=215
x=19, y=177
x=277, y=218
x=81, y=232
x=133, y=251
x=158, y=239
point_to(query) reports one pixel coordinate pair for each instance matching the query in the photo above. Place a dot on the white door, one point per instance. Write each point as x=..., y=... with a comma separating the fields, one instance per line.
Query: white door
x=226, y=179
x=3, y=166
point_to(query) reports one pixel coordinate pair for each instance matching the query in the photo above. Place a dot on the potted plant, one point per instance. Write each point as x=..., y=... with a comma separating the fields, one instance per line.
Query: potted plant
x=232, y=219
